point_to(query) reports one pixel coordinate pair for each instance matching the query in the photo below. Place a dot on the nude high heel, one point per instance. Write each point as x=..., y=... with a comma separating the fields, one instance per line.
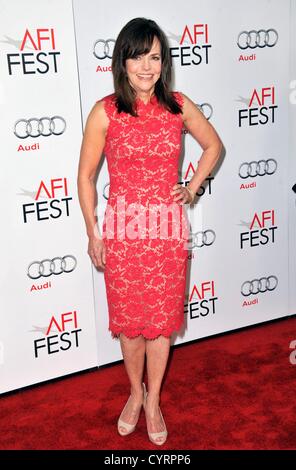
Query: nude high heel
x=122, y=424
x=153, y=436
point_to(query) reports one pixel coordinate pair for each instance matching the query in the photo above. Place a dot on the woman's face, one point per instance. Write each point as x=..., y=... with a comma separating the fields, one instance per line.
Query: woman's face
x=143, y=71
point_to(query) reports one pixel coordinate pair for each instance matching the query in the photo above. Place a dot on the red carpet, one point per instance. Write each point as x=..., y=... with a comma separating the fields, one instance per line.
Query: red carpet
x=235, y=391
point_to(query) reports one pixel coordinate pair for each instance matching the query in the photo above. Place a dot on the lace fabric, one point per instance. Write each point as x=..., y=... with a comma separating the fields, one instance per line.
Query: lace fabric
x=145, y=277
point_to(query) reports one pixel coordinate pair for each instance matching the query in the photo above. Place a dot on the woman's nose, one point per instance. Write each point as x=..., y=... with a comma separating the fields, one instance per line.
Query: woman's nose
x=146, y=63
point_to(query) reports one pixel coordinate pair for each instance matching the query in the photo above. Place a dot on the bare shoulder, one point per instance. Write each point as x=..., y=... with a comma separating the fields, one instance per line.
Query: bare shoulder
x=98, y=111
x=187, y=102
x=97, y=119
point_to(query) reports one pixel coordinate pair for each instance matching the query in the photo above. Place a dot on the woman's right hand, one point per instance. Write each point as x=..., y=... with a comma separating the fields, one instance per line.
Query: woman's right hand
x=97, y=252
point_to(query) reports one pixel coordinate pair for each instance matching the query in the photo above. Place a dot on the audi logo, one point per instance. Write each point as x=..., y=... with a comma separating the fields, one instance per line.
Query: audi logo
x=47, y=267
x=106, y=191
x=206, y=109
x=260, y=168
x=200, y=239
x=103, y=49
x=35, y=127
x=261, y=38
x=259, y=285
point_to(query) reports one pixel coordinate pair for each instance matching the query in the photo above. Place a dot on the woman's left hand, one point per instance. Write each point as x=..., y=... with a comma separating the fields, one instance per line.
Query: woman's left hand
x=182, y=194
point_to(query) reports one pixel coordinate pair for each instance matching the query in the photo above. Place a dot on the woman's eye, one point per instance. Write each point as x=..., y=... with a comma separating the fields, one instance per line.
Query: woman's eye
x=139, y=57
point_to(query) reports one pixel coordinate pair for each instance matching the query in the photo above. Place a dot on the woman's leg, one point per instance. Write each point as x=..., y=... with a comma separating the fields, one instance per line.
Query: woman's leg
x=133, y=351
x=157, y=352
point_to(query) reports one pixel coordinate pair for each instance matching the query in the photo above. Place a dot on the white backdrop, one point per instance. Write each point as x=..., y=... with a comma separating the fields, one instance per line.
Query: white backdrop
x=292, y=167
x=215, y=72
x=52, y=66
x=47, y=324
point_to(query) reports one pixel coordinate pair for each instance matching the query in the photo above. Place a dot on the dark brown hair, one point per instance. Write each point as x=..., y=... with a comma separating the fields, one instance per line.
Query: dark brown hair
x=136, y=38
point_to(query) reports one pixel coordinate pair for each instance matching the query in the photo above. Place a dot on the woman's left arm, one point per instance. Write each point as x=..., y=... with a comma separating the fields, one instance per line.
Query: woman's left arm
x=204, y=133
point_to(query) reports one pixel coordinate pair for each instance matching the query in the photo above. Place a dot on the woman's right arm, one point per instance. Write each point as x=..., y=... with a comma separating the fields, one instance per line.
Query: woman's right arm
x=90, y=155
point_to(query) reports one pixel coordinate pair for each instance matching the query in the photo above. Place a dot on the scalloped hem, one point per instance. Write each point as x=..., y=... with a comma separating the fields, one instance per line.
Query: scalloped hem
x=152, y=334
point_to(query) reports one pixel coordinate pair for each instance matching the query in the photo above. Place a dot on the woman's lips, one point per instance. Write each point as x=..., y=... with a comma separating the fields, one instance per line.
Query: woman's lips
x=145, y=77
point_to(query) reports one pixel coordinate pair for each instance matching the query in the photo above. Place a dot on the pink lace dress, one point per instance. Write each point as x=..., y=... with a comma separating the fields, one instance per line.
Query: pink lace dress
x=146, y=247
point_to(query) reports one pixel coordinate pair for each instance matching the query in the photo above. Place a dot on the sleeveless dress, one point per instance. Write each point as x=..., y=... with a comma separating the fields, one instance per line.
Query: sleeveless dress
x=146, y=244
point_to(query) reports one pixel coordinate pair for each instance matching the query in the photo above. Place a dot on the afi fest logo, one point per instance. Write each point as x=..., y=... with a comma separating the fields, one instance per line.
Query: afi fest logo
x=56, y=203
x=42, y=59
x=63, y=340
x=193, y=46
x=264, y=234
x=202, y=300
x=206, y=187
x=260, y=108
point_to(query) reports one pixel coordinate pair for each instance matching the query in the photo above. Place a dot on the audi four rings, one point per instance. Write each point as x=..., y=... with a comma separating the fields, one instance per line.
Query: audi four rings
x=199, y=239
x=35, y=127
x=106, y=191
x=261, y=38
x=103, y=49
x=259, y=285
x=260, y=168
x=47, y=267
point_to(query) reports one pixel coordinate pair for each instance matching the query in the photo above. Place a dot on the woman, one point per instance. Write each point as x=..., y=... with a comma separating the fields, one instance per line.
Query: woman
x=139, y=129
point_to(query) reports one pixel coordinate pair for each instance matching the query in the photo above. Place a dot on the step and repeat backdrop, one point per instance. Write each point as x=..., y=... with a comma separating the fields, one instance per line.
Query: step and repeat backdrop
x=47, y=325
x=237, y=73
x=55, y=63
x=292, y=163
